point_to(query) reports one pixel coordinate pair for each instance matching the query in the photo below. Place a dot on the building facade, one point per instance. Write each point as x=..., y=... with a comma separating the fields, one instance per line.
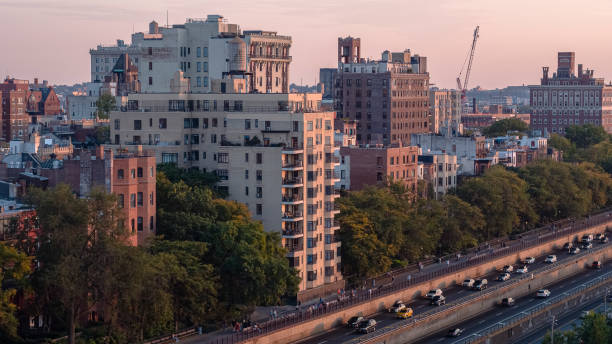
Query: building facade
x=389, y=98
x=273, y=152
x=15, y=119
x=378, y=165
x=104, y=57
x=439, y=171
x=445, y=112
x=568, y=98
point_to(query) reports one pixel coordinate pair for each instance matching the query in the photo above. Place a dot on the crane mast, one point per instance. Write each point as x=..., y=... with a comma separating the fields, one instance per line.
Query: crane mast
x=463, y=88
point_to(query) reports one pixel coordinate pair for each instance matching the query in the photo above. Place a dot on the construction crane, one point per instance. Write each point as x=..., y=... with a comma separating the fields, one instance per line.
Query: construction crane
x=468, y=59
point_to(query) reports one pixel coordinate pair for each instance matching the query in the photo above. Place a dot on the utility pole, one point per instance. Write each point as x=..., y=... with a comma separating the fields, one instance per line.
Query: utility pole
x=552, y=331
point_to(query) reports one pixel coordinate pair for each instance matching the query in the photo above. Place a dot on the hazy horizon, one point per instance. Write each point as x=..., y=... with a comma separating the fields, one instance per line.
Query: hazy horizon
x=51, y=39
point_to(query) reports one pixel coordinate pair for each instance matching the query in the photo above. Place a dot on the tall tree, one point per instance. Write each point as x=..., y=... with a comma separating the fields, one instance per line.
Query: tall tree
x=14, y=266
x=586, y=135
x=504, y=126
x=77, y=240
x=105, y=104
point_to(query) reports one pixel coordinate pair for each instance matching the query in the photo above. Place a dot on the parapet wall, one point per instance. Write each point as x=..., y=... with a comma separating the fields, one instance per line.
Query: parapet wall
x=317, y=326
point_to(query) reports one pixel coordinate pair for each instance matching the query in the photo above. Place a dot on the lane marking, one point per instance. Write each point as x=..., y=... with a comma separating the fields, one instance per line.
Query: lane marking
x=498, y=314
x=482, y=321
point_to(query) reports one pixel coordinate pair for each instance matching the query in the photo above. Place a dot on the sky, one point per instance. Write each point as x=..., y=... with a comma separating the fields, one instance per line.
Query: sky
x=50, y=39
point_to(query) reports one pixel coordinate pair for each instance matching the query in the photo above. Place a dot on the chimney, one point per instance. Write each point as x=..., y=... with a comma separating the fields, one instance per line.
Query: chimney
x=100, y=152
x=545, y=73
x=36, y=81
x=474, y=106
x=580, y=70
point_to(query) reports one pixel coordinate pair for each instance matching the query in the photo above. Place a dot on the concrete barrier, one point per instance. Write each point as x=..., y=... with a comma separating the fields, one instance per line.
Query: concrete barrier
x=317, y=325
x=518, y=288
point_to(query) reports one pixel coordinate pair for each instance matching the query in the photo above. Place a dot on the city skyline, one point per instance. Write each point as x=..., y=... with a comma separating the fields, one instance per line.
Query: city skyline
x=521, y=50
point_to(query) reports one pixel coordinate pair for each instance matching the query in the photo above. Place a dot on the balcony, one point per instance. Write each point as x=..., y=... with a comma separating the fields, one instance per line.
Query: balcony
x=294, y=248
x=332, y=160
x=299, y=149
x=293, y=233
x=295, y=199
x=293, y=183
x=293, y=217
x=335, y=209
x=292, y=166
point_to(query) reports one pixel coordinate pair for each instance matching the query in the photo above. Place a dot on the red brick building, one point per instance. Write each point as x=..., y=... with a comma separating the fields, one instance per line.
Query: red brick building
x=375, y=165
x=568, y=99
x=42, y=100
x=15, y=119
x=388, y=98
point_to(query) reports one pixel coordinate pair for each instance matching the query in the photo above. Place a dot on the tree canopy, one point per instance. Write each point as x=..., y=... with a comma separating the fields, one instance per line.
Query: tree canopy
x=105, y=104
x=502, y=127
x=585, y=135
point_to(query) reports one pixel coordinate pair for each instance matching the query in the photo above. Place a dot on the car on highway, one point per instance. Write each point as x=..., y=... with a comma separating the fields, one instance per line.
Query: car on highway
x=587, y=245
x=454, y=332
x=480, y=284
x=508, y=268
x=609, y=298
x=603, y=240
x=550, y=259
x=438, y=300
x=522, y=270
x=568, y=245
x=468, y=282
x=405, y=313
x=574, y=250
x=585, y=314
x=397, y=306
x=596, y=264
x=367, y=326
x=354, y=322
x=433, y=293
x=598, y=236
x=503, y=277
x=529, y=260
x=587, y=238
x=508, y=302
x=543, y=293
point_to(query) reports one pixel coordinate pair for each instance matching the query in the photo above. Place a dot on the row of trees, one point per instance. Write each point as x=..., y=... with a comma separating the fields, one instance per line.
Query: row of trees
x=211, y=264
x=595, y=329
x=382, y=229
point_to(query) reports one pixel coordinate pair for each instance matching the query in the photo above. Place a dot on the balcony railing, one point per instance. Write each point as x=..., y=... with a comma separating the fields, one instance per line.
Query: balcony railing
x=332, y=160
x=293, y=231
x=292, y=181
x=293, y=198
x=294, y=248
x=293, y=215
x=293, y=164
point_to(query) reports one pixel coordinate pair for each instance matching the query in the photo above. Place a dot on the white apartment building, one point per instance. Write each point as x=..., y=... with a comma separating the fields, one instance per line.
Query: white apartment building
x=104, y=57
x=439, y=170
x=273, y=152
x=203, y=49
x=445, y=112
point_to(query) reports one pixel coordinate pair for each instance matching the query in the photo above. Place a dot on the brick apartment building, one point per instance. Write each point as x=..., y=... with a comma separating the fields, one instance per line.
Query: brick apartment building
x=129, y=175
x=42, y=100
x=568, y=99
x=375, y=165
x=389, y=98
x=15, y=119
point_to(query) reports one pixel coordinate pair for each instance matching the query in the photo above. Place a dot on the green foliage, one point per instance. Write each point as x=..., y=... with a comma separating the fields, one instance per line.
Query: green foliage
x=191, y=177
x=501, y=128
x=14, y=266
x=239, y=250
x=586, y=135
x=102, y=134
x=502, y=197
x=563, y=144
x=105, y=104
x=594, y=329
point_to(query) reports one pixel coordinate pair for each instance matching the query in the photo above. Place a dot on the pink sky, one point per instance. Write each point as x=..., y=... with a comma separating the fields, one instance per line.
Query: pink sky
x=51, y=38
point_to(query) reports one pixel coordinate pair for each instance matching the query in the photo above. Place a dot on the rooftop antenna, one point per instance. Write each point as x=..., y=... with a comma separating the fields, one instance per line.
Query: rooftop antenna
x=167, y=25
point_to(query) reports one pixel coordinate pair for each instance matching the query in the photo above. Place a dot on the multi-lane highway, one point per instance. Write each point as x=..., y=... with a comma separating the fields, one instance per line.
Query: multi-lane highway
x=484, y=321
x=452, y=293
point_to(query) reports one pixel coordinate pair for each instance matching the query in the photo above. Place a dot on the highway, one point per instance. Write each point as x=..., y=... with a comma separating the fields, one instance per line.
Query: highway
x=567, y=322
x=490, y=318
x=343, y=334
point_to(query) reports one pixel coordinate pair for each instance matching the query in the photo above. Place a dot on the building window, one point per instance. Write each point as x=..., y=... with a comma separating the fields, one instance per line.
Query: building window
x=152, y=223
x=259, y=158
x=139, y=172
x=205, y=51
x=120, y=201
x=223, y=158
x=140, y=199
x=150, y=51
x=132, y=200
x=258, y=209
x=140, y=224
x=151, y=198
x=163, y=123
x=259, y=175
x=246, y=190
x=205, y=81
x=259, y=192
x=198, y=52
x=117, y=124
x=150, y=80
x=150, y=65
x=120, y=174
x=133, y=226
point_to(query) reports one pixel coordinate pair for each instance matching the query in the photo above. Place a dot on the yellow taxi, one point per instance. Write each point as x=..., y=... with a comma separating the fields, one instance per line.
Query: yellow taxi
x=405, y=313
